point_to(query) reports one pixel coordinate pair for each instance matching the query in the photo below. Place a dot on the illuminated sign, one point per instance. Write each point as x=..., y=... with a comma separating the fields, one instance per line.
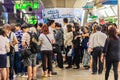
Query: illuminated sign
x=33, y=20
x=25, y=5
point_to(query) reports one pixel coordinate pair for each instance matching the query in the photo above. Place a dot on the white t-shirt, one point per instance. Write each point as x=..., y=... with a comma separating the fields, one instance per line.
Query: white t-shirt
x=3, y=42
x=45, y=45
x=51, y=31
x=11, y=38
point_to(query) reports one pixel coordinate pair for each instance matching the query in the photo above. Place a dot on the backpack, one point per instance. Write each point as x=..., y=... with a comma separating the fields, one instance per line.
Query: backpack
x=33, y=45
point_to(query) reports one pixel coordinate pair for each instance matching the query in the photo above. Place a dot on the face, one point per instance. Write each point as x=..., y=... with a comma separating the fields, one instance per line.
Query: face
x=39, y=28
x=53, y=25
x=17, y=28
x=85, y=30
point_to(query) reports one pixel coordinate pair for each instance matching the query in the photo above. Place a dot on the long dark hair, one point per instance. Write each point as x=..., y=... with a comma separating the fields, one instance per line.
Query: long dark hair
x=69, y=28
x=112, y=32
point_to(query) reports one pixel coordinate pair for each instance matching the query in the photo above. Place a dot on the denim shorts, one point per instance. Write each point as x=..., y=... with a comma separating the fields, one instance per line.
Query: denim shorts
x=31, y=61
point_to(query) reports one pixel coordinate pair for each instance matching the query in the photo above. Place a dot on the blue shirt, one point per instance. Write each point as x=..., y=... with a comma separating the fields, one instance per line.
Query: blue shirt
x=19, y=35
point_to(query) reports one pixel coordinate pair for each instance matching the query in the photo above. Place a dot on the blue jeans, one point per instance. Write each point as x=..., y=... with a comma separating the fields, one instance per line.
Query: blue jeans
x=11, y=66
x=17, y=62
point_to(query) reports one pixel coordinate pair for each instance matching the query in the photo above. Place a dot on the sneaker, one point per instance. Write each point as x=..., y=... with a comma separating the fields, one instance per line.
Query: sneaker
x=44, y=75
x=49, y=75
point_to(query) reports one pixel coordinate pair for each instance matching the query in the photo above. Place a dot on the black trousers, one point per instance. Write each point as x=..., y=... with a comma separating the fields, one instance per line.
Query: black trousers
x=115, y=69
x=46, y=60
x=97, y=51
x=76, y=58
x=59, y=57
x=68, y=58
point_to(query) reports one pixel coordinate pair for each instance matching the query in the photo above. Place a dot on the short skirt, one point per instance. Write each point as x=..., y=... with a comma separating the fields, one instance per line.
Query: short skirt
x=3, y=60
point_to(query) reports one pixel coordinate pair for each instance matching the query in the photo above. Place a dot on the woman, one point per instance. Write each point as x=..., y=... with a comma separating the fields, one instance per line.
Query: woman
x=68, y=44
x=4, y=47
x=86, y=56
x=76, y=46
x=10, y=56
x=112, y=52
x=46, y=50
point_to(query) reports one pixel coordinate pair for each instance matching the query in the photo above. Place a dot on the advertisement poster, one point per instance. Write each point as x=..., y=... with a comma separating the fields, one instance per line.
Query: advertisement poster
x=59, y=13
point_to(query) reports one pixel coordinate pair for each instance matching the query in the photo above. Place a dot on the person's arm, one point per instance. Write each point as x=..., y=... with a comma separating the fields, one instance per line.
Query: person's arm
x=15, y=41
x=7, y=47
x=85, y=35
x=104, y=50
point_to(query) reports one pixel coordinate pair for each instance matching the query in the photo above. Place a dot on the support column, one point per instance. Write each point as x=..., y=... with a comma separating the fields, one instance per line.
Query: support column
x=119, y=25
x=85, y=17
x=118, y=14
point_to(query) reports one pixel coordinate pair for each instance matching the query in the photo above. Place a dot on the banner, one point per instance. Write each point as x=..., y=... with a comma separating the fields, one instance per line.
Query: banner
x=57, y=13
x=110, y=2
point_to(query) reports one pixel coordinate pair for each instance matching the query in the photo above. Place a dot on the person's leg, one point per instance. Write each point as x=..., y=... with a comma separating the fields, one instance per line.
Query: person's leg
x=115, y=69
x=8, y=71
x=34, y=66
x=44, y=60
x=94, y=58
x=108, y=67
x=4, y=74
x=100, y=65
x=29, y=72
x=59, y=58
x=49, y=57
x=17, y=63
x=11, y=66
x=77, y=58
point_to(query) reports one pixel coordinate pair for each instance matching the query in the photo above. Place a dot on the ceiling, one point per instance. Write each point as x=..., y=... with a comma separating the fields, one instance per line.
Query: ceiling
x=63, y=3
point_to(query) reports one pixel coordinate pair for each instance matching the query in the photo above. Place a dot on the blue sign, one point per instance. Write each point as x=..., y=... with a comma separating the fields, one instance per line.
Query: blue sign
x=110, y=2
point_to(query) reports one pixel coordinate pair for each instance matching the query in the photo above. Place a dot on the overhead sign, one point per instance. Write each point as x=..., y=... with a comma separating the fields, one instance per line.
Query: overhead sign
x=25, y=5
x=56, y=13
x=110, y=2
x=89, y=5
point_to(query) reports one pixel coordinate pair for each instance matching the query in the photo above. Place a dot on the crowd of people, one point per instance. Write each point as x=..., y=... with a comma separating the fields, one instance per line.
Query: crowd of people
x=88, y=45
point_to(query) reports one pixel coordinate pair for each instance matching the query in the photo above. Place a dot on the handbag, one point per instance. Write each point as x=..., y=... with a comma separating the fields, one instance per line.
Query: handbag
x=26, y=52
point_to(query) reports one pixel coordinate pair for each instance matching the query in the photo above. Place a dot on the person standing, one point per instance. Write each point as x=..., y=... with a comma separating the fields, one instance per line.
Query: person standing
x=59, y=42
x=86, y=56
x=68, y=44
x=111, y=52
x=4, y=48
x=46, y=51
x=18, y=48
x=13, y=41
x=97, y=44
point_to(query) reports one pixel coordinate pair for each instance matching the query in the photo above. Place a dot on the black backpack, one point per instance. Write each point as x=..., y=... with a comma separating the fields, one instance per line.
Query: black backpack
x=33, y=45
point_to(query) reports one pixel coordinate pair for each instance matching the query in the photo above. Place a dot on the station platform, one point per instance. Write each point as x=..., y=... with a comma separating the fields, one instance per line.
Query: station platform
x=71, y=74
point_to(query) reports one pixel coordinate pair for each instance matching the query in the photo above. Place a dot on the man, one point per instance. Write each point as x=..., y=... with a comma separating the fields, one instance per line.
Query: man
x=51, y=24
x=18, y=48
x=59, y=43
x=98, y=41
x=65, y=22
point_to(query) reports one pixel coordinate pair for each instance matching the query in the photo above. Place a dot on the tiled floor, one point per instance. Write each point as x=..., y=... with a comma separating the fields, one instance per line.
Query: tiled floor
x=72, y=74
